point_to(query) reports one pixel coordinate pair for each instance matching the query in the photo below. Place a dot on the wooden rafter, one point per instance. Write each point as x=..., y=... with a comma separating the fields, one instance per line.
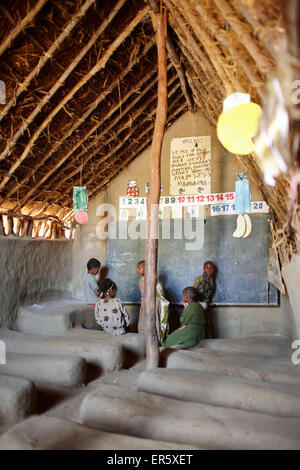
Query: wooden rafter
x=54, y=89
x=21, y=25
x=181, y=108
x=78, y=123
x=46, y=56
x=86, y=155
x=122, y=145
x=99, y=65
x=263, y=62
x=127, y=152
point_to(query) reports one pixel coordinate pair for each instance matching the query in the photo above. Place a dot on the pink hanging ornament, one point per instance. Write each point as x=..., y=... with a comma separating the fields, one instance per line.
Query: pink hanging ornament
x=81, y=217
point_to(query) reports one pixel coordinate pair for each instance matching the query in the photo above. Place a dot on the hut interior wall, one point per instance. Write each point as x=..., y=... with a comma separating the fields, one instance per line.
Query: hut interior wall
x=32, y=271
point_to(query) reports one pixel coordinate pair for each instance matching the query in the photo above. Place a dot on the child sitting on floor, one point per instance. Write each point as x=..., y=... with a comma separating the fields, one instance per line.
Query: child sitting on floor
x=162, y=306
x=192, y=320
x=206, y=284
x=206, y=287
x=110, y=313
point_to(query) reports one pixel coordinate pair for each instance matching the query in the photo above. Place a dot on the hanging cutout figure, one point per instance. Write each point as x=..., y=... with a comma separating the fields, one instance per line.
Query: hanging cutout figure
x=80, y=204
x=242, y=206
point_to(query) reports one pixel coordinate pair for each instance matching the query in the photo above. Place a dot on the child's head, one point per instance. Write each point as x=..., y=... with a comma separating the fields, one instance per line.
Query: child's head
x=140, y=268
x=190, y=294
x=93, y=266
x=209, y=268
x=108, y=287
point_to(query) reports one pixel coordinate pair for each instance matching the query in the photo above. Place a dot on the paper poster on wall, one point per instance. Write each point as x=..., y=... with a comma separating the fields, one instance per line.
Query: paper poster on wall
x=190, y=165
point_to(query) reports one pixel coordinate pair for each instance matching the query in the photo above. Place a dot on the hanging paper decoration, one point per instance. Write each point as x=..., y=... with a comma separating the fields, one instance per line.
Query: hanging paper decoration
x=242, y=205
x=238, y=123
x=242, y=194
x=80, y=199
x=132, y=190
x=81, y=217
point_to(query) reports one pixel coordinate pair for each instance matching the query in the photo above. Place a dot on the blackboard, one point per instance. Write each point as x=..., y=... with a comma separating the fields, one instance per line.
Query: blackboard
x=241, y=262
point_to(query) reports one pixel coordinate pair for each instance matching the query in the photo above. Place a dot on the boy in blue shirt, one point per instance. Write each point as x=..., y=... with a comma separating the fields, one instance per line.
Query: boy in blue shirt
x=90, y=286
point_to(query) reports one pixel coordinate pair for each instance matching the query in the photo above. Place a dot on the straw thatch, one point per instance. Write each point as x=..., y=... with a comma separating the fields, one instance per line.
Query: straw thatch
x=81, y=89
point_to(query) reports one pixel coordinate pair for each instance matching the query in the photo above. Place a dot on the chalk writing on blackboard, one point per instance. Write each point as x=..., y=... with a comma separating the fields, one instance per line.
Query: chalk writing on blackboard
x=190, y=165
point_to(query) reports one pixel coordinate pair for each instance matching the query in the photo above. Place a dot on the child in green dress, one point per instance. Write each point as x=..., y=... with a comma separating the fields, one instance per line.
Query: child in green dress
x=192, y=320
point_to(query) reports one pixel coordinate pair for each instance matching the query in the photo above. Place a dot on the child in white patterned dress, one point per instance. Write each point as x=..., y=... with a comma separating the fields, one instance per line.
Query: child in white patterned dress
x=110, y=312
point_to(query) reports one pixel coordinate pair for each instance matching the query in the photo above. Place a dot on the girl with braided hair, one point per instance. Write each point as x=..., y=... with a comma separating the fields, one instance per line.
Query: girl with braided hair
x=110, y=312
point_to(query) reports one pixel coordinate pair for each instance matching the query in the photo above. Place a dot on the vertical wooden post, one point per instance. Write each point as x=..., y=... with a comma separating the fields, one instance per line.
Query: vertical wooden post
x=151, y=339
x=29, y=228
x=2, y=232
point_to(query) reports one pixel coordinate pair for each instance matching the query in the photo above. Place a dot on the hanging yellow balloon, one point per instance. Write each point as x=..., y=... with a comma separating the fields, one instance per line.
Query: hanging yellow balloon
x=238, y=123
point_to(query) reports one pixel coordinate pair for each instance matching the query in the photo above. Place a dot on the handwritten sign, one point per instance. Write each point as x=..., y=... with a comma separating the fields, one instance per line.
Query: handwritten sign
x=190, y=165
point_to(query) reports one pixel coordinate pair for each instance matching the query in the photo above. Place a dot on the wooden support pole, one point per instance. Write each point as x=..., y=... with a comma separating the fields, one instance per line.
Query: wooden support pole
x=2, y=232
x=175, y=61
x=10, y=223
x=30, y=229
x=151, y=339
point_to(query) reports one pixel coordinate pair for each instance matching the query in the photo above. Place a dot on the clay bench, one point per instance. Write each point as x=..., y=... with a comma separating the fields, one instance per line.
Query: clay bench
x=264, y=344
x=17, y=398
x=46, y=370
x=51, y=433
x=222, y=390
x=133, y=343
x=77, y=320
x=125, y=411
x=248, y=366
x=102, y=355
x=56, y=318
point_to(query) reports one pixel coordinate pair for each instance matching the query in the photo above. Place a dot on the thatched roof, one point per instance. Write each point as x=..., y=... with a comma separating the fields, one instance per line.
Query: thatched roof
x=81, y=87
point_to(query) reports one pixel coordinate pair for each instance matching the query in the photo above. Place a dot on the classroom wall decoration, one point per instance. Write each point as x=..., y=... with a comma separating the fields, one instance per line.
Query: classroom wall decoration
x=132, y=189
x=190, y=165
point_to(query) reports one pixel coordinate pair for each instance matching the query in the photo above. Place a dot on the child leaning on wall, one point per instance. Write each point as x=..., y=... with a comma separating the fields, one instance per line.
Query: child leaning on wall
x=90, y=286
x=110, y=313
x=162, y=306
x=206, y=288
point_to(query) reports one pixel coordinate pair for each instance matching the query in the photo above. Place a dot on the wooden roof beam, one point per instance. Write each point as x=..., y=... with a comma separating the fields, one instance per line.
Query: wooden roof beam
x=56, y=86
x=137, y=152
x=137, y=113
x=212, y=49
x=90, y=179
x=46, y=56
x=21, y=25
x=99, y=65
x=231, y=46
x=129, y=118
x=92, y=72
x=194, y=52
x=230, y=15
x=90, y=109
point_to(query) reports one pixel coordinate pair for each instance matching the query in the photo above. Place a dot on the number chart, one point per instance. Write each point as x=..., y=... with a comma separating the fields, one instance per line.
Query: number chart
x=186, y=201
x=259, y=207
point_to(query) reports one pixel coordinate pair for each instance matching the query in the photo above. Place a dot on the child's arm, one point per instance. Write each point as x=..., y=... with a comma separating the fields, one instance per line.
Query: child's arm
x=124, y=313
x=94, y=286
x=98, y=315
